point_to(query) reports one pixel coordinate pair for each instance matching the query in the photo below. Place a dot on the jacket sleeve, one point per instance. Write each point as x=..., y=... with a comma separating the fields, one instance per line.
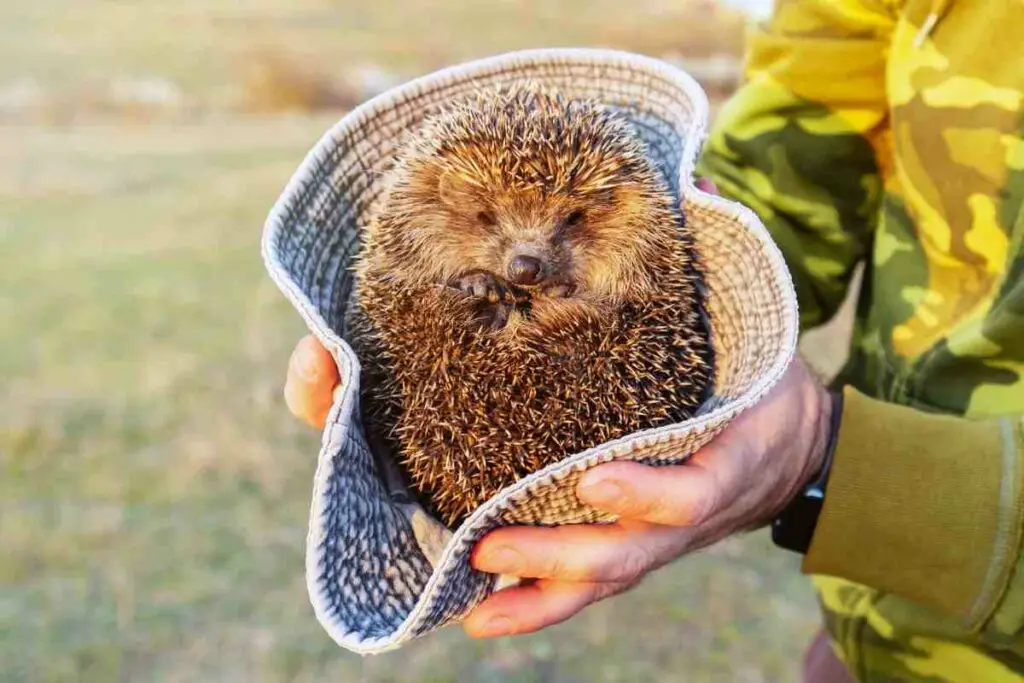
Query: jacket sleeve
x=796, y=143
x=927, y=507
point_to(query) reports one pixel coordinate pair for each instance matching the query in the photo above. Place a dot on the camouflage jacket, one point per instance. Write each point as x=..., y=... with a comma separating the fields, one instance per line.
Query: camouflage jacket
x=890, y=133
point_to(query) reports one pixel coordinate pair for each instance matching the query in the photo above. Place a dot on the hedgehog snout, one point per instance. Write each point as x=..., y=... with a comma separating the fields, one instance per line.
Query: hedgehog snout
x=526, y=270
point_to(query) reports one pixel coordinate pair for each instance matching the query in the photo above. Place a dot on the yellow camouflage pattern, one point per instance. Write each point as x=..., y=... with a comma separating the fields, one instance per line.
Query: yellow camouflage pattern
x=892, y=133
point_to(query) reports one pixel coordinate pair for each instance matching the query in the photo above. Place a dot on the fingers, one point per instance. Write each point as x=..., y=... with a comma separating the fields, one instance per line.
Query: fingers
x=706, y=185
x=523, y=609
x=680, y=495
x=312, y=376
x=583, y=553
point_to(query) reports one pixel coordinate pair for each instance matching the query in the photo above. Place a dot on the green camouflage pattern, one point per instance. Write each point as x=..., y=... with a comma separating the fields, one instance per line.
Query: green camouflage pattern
x=892, y=133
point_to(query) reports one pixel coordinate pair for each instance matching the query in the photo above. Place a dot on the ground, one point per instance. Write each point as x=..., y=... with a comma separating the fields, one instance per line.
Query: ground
x=154, y=491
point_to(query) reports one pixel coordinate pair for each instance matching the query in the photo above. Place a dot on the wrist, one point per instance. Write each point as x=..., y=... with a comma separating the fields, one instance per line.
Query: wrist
x=823, y=442
x=793, y=528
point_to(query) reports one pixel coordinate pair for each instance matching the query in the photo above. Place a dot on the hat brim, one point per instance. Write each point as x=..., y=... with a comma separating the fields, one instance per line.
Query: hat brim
x=379, y=570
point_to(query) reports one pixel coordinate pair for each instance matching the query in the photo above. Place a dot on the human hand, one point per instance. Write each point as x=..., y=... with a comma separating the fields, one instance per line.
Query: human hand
x=738, y=482
x=311, y=379
x=706, y=185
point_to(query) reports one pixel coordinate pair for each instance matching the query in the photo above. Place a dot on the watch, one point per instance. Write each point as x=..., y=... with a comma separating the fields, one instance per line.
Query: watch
x=794, y=527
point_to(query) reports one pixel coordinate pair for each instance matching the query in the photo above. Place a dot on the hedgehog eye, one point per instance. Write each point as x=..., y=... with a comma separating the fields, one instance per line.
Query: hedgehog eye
x=486, y=218
x=574, y=219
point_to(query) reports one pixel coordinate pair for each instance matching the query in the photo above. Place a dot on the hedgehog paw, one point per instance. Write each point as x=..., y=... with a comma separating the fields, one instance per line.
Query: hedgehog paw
x=498, y=317
x=481, y=285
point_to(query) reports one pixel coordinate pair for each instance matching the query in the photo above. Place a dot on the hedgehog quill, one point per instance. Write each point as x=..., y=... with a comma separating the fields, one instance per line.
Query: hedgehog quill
x=527, y=290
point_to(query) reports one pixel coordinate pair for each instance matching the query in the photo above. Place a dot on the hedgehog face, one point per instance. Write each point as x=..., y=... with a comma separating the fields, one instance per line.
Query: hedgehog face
x=524, y=190
x=593, y=242
x=532, y=239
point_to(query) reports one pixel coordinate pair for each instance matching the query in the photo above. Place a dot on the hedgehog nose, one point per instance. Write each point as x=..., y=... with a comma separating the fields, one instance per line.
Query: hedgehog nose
x=525, y=270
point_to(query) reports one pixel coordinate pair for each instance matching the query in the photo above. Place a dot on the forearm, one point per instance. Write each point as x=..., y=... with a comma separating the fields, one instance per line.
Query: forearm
x=927, y=507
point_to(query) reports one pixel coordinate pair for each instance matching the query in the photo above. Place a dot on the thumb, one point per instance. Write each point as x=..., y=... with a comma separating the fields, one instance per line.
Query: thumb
x=312, y=376
x=706, y=185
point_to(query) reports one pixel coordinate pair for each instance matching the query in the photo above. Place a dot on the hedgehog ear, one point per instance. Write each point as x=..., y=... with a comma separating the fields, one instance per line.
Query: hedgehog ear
x=455, y=192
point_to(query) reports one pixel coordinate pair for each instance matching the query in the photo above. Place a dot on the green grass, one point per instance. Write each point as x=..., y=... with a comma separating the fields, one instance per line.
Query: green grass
x=154, y=491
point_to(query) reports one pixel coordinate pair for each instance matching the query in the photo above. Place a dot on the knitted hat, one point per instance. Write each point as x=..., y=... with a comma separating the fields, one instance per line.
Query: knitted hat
x=380, y=571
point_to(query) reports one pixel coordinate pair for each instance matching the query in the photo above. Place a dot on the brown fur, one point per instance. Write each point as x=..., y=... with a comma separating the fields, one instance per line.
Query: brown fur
x=471, y=393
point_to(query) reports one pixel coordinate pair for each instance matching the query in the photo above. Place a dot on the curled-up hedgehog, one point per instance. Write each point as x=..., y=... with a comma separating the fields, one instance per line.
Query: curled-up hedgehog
x=527, y=289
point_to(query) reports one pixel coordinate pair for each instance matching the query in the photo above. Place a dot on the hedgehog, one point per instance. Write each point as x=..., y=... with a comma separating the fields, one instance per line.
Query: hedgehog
x=526, y=289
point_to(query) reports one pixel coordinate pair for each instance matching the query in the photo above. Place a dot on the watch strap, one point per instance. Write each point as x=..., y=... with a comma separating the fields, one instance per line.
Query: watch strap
x=794, y=527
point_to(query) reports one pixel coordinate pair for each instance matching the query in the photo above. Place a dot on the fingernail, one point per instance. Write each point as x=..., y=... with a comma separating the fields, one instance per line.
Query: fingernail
x=306, y=363
x=503, y=560
x=706, y=185
x=603, y=491
x=497, y=626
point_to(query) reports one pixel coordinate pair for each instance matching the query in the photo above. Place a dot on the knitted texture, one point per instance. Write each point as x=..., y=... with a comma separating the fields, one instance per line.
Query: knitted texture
x=379, y=570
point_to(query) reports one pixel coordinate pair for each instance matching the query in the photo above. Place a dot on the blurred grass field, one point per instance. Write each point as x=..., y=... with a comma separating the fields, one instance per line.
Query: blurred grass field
x=154, y=491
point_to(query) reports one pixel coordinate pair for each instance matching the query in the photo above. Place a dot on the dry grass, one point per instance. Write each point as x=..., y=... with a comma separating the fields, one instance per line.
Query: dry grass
x=274, y=82
x=100, y=60
x=690, y=30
